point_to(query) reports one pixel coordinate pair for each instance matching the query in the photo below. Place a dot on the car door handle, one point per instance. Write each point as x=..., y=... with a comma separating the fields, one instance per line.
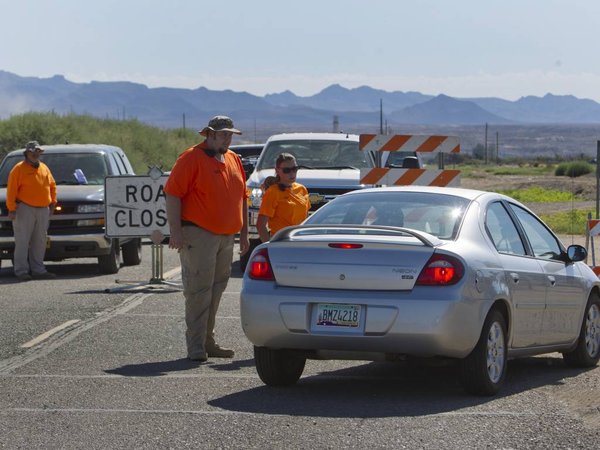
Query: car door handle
x=515, y=277
x=552, y=280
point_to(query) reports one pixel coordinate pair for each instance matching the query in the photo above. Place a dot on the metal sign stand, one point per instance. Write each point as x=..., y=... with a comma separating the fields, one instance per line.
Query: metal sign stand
x=157, y=280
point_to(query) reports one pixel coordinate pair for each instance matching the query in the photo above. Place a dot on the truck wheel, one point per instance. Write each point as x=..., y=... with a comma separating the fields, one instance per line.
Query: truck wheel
x=110, y=263
x=132, y=252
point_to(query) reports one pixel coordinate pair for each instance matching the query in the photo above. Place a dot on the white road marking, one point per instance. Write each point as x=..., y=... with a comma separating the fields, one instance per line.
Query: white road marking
x=10, y=364
x=227, y=413
x=172, y=272
x=42, y=337
x=176, y=315
x=216, y=376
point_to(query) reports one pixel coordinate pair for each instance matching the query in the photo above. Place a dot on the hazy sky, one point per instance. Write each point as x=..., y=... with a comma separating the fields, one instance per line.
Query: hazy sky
x=462, y=48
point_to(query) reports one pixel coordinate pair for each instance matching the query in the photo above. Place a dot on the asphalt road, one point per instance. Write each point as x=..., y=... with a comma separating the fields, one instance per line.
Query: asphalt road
x=118, y=378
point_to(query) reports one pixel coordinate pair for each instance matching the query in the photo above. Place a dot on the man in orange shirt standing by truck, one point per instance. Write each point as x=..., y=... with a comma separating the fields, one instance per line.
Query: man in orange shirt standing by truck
x=30, y=199
x=206, y=207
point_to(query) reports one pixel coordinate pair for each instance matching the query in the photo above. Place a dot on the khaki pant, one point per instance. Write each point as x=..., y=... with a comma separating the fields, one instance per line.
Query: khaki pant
x=205, y=269
x=30, y=230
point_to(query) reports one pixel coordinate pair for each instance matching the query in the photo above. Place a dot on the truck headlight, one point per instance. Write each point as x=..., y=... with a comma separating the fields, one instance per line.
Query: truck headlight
x=255, y=198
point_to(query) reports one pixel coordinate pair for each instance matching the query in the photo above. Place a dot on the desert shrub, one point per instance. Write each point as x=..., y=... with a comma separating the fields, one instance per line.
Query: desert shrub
x=573, y=169
x=144, y=144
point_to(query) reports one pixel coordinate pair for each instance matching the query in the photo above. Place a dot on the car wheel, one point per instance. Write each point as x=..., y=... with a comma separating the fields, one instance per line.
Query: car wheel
x=278, y=367
x=132, y=252
x=587, y=351
x=246, y=257
x=110, y=263
x=484, y=370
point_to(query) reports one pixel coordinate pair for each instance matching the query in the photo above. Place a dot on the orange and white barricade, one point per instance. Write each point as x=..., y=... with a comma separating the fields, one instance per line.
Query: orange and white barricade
x=412, y=143
x=593, y=229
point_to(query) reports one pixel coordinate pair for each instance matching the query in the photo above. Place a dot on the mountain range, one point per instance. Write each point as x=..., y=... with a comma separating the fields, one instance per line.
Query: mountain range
x=353, y=108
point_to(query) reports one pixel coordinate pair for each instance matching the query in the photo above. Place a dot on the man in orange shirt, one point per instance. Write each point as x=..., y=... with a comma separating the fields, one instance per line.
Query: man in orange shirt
x=206, y=207
x=30, y=199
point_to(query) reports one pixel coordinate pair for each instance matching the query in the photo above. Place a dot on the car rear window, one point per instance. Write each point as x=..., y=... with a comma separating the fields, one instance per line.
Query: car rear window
x=436, y=214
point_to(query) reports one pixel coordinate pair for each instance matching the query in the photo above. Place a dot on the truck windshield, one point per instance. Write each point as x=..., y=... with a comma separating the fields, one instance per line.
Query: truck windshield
x=316, y=154
x=66, y=168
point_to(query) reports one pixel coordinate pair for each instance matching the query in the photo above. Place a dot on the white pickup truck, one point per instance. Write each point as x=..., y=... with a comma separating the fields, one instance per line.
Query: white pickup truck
x=329, y=165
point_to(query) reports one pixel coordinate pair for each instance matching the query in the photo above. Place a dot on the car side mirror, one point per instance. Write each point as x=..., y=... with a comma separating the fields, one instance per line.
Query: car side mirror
x=576, y=253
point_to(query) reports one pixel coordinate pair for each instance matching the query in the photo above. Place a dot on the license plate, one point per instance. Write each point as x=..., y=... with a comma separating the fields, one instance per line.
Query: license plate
x=338, y=315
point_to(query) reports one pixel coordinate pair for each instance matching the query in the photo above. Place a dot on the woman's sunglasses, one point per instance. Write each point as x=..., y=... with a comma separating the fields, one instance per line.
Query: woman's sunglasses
x=288, y=170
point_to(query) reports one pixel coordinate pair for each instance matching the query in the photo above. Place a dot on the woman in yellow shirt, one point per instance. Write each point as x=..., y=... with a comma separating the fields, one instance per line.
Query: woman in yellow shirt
x=285, y=202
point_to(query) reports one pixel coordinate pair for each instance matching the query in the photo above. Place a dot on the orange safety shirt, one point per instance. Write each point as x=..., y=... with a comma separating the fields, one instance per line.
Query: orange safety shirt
x=211, y=192
x=30, y=185
x=284, y=208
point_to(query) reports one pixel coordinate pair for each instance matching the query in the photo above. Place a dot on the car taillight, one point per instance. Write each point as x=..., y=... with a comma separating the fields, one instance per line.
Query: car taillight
x=260, y=266
x=441, y=270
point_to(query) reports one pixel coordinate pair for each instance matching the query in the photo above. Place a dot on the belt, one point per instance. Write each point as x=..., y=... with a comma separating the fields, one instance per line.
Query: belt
x=187, y=223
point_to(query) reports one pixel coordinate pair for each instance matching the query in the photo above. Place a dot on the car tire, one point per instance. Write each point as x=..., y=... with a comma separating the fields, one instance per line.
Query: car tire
x=110, y=263
x=484, y=370
x=246, y=257
x=132, y=252
x=278, y=367
x=587, y=350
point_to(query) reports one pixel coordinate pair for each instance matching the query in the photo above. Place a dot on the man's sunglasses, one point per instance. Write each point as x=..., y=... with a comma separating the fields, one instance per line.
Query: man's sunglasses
x=288, y=170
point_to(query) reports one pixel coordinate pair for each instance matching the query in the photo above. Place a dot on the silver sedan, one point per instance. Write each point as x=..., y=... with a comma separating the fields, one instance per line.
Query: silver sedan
x=401, y=272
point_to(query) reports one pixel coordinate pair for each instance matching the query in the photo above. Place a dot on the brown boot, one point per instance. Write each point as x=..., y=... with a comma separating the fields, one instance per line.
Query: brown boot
x=217, y=351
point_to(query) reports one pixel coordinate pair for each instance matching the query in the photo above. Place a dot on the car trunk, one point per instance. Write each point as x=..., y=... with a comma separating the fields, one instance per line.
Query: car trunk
x=378, y=263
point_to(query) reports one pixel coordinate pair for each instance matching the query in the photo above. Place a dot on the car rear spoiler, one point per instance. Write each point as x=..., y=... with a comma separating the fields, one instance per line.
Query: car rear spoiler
x=427, y=239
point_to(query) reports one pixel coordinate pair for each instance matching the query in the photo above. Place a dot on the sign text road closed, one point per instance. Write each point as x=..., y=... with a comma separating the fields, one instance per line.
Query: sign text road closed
x=135, y=206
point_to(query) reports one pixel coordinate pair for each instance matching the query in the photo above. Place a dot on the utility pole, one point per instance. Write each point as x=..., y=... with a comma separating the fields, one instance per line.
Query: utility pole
x=380, y=116
x=485, y=151
x=597, y=179
x=497, y=150
x=183, y=121
x=378, y=160
x=336, y=124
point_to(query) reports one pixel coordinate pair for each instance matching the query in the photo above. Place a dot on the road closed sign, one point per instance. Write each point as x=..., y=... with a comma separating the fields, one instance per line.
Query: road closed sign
x=135, y=206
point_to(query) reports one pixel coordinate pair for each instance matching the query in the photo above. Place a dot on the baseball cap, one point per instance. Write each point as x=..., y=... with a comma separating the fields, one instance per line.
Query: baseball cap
x=220, y=123
x=32, y=146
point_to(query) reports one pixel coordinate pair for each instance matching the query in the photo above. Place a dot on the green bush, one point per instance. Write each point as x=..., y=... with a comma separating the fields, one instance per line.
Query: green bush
x=145, y=145
x=573, y=169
